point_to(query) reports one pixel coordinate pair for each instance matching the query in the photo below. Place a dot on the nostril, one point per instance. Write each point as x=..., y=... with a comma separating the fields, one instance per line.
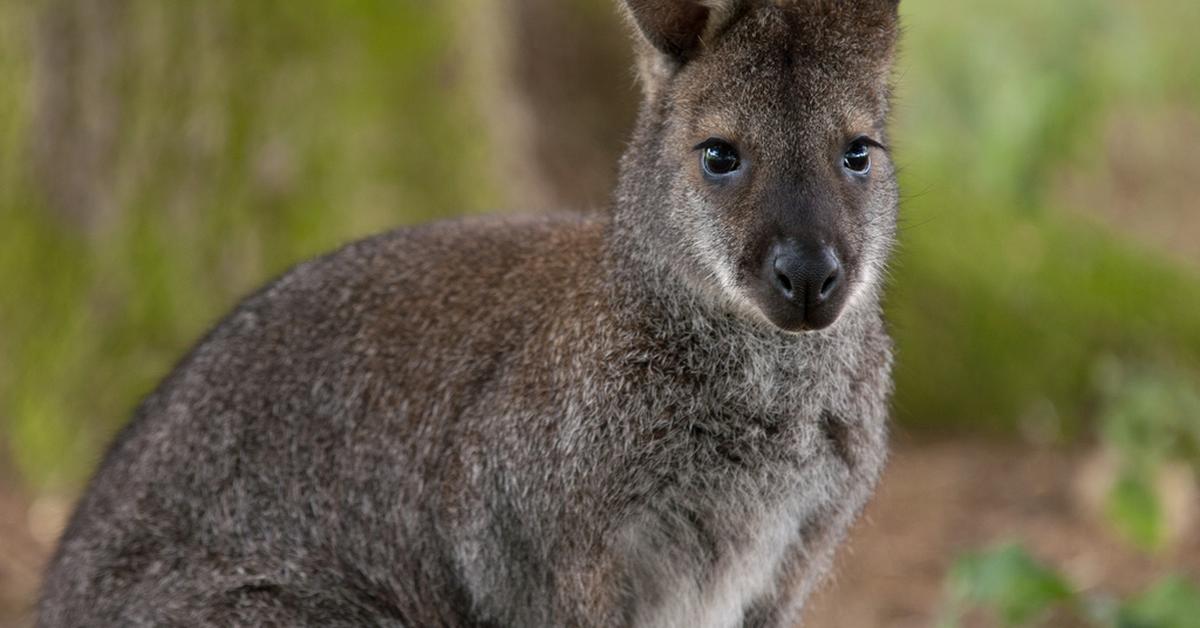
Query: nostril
x=784, y=282
x=830, y=274
x=830, y=284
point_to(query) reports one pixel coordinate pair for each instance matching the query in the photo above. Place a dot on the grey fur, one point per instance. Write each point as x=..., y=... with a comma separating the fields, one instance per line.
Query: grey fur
x=545, y=421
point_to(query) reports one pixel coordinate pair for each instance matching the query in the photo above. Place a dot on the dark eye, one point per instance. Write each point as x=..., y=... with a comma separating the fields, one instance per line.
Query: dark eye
x=857, y=158
x=718, y=158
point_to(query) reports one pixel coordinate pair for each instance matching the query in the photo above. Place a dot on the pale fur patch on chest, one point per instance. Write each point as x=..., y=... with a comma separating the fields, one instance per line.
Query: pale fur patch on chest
x=694, y=593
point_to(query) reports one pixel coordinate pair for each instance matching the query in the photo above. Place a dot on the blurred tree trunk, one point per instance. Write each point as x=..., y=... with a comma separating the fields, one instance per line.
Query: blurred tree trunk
x=79, y=51
x=560, y=96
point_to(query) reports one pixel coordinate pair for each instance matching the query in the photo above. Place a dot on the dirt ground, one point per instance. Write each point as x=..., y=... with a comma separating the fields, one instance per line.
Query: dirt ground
x=940, y=499
x=21, y=558
x=937, y=500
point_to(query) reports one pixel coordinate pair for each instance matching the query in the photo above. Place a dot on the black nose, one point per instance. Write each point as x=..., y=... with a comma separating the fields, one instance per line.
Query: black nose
x=807, y=276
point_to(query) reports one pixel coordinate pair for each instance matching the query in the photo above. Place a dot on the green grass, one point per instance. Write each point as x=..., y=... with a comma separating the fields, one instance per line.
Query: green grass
x=252, y=135
x=1003, y=303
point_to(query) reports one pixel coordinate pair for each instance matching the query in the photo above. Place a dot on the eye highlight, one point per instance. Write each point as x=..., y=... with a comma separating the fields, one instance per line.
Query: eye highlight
x=718, y=158
x=857, y=158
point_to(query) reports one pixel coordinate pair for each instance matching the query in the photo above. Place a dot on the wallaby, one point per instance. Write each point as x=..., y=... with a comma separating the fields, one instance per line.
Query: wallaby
x=664, y=415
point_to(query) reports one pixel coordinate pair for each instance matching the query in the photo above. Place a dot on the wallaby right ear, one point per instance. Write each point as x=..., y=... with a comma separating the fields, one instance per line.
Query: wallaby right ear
x=676, y=28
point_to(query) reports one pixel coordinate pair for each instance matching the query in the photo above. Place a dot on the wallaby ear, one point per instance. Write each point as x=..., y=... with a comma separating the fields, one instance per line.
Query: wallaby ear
x=676, y=27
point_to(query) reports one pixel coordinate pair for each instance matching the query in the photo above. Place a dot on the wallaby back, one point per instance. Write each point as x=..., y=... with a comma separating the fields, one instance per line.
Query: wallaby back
x=615, y=420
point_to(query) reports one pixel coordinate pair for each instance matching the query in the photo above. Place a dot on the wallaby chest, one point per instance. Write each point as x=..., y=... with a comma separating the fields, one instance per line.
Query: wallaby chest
x=747, y=452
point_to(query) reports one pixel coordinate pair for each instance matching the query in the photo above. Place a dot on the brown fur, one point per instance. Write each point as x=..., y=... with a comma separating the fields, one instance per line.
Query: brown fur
x=552, y=421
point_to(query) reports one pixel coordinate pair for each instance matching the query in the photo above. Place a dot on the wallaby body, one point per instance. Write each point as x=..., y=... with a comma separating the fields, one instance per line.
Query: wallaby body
x=556, y=421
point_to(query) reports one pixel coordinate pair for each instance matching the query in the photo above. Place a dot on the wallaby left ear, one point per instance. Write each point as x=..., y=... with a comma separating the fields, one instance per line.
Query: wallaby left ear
x=677, y=27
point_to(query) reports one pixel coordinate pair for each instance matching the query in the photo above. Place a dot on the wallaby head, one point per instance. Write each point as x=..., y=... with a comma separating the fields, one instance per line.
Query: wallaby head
x=759, y=174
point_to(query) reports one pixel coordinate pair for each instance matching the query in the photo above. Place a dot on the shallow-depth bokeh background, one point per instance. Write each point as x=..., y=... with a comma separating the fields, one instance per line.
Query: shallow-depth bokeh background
x=158, y=160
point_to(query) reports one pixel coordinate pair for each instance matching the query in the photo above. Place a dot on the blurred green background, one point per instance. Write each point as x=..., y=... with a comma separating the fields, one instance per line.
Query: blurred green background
x=158, y=160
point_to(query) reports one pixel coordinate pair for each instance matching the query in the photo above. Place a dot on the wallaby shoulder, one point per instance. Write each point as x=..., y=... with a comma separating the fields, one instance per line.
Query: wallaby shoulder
x=373, y=353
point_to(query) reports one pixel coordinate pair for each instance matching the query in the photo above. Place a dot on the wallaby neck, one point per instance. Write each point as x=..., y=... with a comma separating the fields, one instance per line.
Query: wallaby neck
x=642, y=254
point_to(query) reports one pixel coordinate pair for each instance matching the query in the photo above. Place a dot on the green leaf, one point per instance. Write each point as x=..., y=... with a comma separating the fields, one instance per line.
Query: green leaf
x=1173, y=603
x=1134, y=509
x=1009, y=581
